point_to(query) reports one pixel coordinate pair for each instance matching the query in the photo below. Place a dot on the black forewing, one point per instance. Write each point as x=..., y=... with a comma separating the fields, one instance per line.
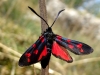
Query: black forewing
x=35, y=53
x=76, y=47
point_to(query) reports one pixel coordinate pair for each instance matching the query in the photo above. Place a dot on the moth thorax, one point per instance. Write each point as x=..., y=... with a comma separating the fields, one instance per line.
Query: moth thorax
x=49, y=46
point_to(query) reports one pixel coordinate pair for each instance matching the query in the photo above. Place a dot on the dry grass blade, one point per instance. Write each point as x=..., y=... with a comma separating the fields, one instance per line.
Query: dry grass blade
x=83, y=61
x=14, y=55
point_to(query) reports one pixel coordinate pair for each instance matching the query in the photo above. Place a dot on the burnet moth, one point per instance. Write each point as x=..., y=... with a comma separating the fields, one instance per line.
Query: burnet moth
x=49, y=43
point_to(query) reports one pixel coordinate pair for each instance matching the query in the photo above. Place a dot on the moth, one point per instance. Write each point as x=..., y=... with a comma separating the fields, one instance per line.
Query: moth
x=49, y=43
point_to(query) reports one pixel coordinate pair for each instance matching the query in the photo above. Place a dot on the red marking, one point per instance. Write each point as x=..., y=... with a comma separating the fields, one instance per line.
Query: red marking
x=68, y=40
x=79, y=45
x=34, y=45
x=42, y=40
x=27, y=54
x=60, y=53
x=59, y=37
x=71, y=46
x=44, y=53
x=81, y=50
x=35, y=52
x=28, y=60
x=40, y=37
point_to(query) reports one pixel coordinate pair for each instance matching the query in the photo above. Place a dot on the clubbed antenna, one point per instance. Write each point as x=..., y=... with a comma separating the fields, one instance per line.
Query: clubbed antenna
x=57, y=16
x=38, y=15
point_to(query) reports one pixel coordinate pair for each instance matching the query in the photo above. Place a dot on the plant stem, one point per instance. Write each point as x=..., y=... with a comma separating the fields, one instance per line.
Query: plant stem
x=43, y=13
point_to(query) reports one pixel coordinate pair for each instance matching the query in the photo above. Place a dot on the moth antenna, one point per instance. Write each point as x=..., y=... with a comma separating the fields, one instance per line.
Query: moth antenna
x=57, y=16
x=38, y=15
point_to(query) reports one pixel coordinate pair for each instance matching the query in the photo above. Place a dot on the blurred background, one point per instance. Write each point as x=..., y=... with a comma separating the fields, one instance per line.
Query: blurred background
x=20, y=28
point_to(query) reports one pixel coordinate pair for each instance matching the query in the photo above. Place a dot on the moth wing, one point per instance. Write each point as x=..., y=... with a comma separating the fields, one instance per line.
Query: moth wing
x=35, y=53
x=60, y=52
x=76, y=47
x=45, y=61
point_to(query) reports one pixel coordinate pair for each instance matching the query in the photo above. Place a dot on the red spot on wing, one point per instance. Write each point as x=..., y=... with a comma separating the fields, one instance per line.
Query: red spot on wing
x=42, y=40
x=59, y=37
x=35, y=52
x=27, y=54
x=79, y=45
x=60, y=52
x=71, y=46
x=81, y=50
x=28, y=60
x=43, y=53
x=68, y=40
x=40, y=37
x=34, y=45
